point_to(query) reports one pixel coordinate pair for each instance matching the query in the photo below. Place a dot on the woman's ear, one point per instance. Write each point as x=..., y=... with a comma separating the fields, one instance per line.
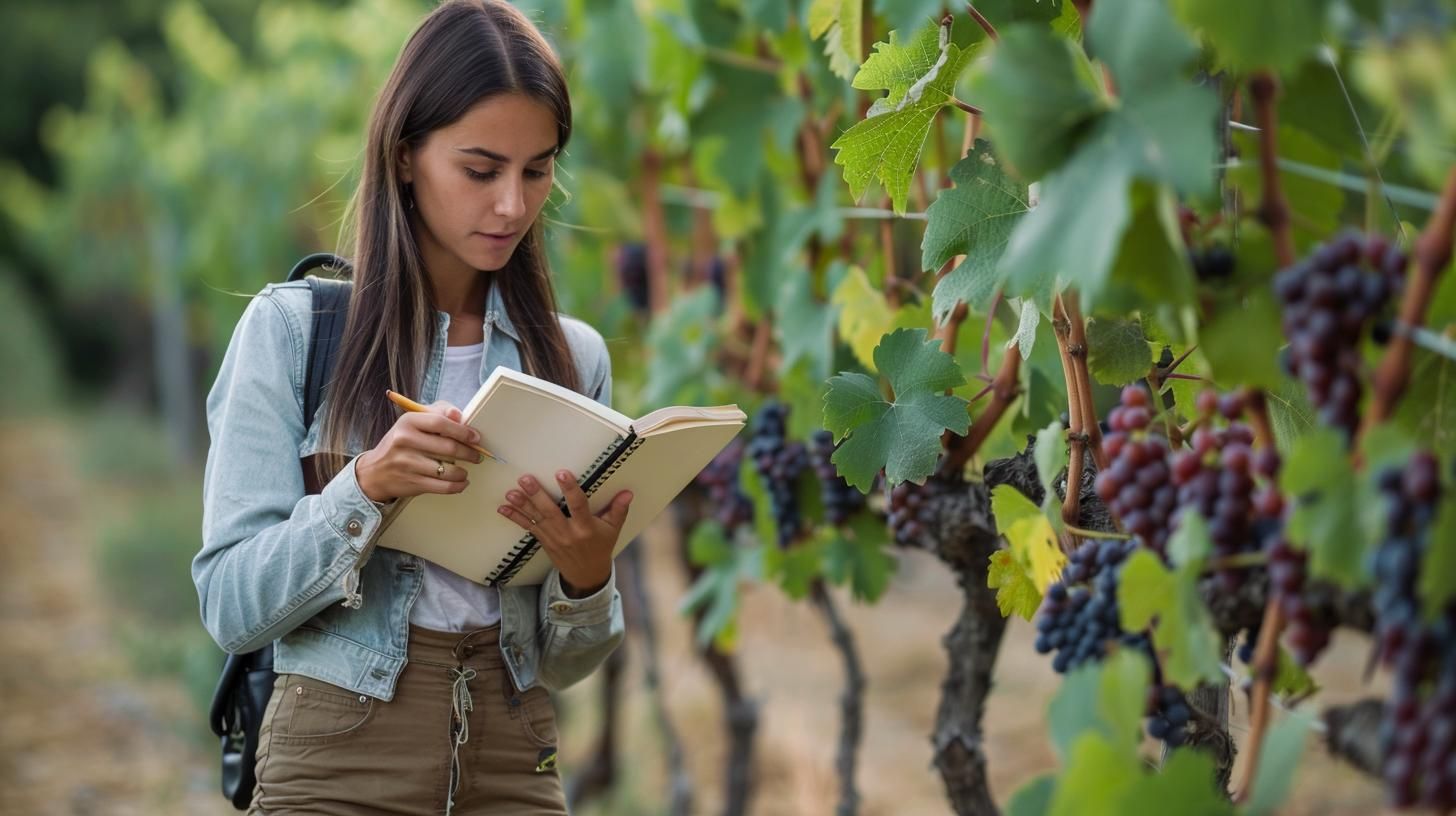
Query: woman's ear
x=402, y=161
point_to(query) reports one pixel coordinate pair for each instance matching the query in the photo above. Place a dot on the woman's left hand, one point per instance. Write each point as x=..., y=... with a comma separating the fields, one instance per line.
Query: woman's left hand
x=580, y=546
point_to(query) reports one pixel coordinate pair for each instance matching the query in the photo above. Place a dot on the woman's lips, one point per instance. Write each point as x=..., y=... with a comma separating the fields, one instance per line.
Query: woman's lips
x=498, y=239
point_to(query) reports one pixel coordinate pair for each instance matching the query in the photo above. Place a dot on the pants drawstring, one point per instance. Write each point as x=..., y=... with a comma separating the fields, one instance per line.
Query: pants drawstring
x=461, y=705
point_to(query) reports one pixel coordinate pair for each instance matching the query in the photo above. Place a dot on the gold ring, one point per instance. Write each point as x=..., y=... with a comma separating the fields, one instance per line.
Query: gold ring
x=440, y=469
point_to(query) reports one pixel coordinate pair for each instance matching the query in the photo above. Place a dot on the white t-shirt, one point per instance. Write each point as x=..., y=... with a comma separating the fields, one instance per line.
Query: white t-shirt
x=449, y=602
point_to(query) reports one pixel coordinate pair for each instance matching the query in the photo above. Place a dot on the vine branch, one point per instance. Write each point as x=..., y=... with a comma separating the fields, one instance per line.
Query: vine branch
x=982, y=22
x=1004, y=390
x=1274, y=209
x=1432, y=252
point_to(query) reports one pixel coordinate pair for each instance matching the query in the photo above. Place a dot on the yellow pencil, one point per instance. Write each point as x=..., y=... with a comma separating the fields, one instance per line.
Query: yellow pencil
x=410, y=405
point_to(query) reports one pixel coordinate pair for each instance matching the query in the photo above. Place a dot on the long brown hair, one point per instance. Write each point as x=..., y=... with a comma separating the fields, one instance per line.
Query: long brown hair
x=462, y=53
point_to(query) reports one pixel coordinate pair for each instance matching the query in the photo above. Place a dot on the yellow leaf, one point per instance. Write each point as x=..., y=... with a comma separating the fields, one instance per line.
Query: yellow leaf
x=864, y=316
x=1032, y=539
x=1014, y=589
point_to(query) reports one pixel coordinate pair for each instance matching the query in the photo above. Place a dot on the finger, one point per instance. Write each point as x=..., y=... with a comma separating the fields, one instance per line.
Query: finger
x=429, y=484
x=441, y=425
x=520, y=519
x=615, y=513
x=446, y=409
x=445, y=470
x=540, y=501
x=439, y=447
x=575, y=497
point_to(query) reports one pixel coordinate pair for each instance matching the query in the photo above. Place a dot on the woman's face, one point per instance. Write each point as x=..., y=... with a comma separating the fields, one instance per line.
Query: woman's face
x=480, y=182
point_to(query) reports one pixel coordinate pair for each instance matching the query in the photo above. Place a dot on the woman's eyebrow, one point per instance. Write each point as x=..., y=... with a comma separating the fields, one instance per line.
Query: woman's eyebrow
x=489, y=154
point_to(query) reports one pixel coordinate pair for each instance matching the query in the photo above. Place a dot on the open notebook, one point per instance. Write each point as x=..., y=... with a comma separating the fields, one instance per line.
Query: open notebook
x=539, y=427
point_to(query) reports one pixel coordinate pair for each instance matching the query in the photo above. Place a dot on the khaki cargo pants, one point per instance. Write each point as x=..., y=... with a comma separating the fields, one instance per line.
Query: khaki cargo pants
x=325, y=750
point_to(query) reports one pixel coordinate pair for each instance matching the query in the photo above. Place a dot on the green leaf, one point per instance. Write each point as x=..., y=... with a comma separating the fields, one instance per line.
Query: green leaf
x=1117, y=351
x=794, y=569
x=746, y=111
x=1337, y=514
x=1437, y=583
x=1026, y=327
x=920, y=76
x=1283, y=745
x=1249, y=35
x=1291, y=679
x=1316, y=206
x=1184, y=785
x=1184, y=637
x=1097, y=776
x=1236, y=327
x=1105, y=699
x=1050, y=454
x=903, y=435
x=1037, y=101
x=1161, y=133
x=1428, y=410
x=1412, y=78
x=1015, y=591
x=864, y=317
x=856, y=554
x=1029, y=535
x=840, y=22
x=1034, y=798
x=1190, y=543
x=805, y=326
x=714, y=594
x=973, y=219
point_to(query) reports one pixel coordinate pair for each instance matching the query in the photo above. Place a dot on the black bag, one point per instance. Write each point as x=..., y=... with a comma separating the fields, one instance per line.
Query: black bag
x=247, y=680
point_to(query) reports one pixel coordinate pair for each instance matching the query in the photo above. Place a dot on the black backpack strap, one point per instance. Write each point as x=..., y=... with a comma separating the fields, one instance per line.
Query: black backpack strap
x=330, y=307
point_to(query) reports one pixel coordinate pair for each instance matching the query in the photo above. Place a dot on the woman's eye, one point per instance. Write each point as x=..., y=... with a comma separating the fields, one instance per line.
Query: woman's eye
x=535, y=174
x=475, y=174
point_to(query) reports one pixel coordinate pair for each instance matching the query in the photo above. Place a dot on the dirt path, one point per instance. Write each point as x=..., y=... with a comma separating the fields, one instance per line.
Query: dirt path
x=79, y=735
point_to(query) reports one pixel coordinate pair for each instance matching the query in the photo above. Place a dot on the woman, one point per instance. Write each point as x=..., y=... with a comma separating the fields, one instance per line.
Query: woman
x=404, y=688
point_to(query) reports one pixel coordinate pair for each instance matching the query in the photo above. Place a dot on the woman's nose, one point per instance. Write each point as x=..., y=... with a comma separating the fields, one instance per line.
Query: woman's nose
x=511, y=202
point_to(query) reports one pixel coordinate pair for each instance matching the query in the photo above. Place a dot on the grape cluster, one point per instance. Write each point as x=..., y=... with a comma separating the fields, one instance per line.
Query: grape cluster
x=1327, y=300
x=1135, y=486
x=1213, y=264
x=631, y=261
x=1080, y=615
x=1308, y=634
x=731, y=506
x=1168, y=714
x=779, y=463
x=1419, y=733
x=1216, y=480
x=840, y=500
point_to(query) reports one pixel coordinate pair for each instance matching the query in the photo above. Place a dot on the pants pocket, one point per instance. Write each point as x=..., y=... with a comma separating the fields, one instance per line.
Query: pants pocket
x=535, y=713
x=312, y=712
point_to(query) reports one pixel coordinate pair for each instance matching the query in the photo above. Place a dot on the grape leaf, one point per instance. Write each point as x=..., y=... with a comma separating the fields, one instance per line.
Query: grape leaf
x=864, y=317
x=1117, y=351
x=1291, y=679
x=1337, y=514
x=1106, y=699
x=1249, y=35
x=1187, y=645
x=1236, y=326
x=841, y=23
x=973, y=219
x=1316, y=205
x=715, y=593
x=1428, y=410
x=1283, y=745
x=1412, y=78
x=1037, y=101
x=1190, y=543
x=1029, y=535
x=1159, y=133
x=1050, y=455
x=901, y=435
x=795, y=568
x=805, y=326
x=746, y=109
x=1181, y=786
x=1034, y=798
x=1015, y=592
x=920, y=76
x=855, y=555
x=1025, y=338
x=1096, y=778
x=682, y=340
x=1437, y=583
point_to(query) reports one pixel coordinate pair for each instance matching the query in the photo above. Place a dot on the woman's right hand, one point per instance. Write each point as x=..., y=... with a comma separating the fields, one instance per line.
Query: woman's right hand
x=406, y=461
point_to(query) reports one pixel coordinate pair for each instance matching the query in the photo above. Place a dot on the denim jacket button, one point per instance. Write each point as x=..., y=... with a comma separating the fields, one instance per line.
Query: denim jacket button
x=561, y=606
x=354, y=527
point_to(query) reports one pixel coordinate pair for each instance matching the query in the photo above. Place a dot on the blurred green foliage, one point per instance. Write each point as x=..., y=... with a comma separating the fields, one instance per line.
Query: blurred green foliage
x=27, y=352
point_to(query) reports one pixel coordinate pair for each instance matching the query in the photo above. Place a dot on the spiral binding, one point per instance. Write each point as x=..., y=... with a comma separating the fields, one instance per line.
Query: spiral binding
x=597, y=473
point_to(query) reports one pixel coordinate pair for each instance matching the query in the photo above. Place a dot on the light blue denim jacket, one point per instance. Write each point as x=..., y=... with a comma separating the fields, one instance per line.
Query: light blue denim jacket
x=277, y=564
